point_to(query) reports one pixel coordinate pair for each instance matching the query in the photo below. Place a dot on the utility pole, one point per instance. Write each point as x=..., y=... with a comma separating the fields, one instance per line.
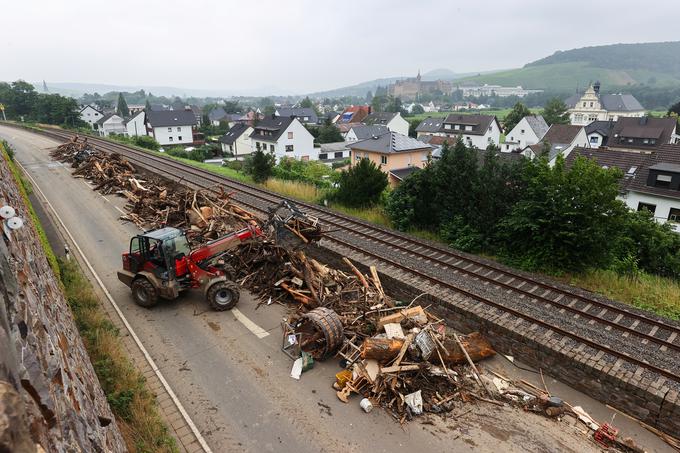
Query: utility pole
x=2, y=107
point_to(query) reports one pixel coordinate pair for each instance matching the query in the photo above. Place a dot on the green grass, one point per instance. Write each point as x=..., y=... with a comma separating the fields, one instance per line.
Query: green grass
x=660, y=295
x=132, y=403
x=567, y=76
x=499, y=113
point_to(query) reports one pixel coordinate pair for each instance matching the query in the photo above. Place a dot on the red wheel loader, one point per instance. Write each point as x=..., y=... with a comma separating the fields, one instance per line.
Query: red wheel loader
x=160, y=263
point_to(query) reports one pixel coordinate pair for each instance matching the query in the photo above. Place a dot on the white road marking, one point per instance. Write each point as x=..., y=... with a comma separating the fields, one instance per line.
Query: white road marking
x=250, y=325
x=134, y=336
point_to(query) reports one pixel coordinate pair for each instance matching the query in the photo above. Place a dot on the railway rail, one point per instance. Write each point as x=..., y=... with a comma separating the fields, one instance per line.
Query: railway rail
x=419, y=257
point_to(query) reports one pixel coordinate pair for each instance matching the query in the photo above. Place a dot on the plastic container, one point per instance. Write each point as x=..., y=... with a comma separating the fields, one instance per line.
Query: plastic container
x=366, y=405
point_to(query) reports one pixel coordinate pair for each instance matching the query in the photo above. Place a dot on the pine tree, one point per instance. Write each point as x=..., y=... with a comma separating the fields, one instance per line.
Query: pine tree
x=122, y=109
x=555, y=112
x=518, y=112
x=362, y=184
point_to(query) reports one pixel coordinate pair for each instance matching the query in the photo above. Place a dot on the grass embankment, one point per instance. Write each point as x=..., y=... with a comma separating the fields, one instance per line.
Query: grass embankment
x=133, y=405
x=499, y=113
x=659, y=295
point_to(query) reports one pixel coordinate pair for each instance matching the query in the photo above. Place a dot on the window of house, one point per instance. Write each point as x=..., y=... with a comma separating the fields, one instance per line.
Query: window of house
x=630, y=140
x=594, y=139
x=169, y=129
x=231, y=148
x=179, y=129
x=578, y=118
x=591, y=104
x=383, y=160
x=290, y=136
x=468, y=128
x=584, y=104
x=339, y=154
x=179, y=138
x=645, y=141
x=648, y=206
x=652, y=141
x=323, y=156
x=257, y=146
x=271, y=148
x=663, y=180
x=357, y=156
x=169, y=139
x=289, y=148
x=448, y=126
x=521, y=131
x=674, y=215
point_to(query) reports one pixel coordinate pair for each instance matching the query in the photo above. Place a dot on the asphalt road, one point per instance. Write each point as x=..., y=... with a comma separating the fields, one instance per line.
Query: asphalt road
x=235, y=384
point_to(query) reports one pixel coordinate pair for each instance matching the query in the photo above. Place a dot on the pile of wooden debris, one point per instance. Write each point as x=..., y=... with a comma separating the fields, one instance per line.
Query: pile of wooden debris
x=154, y=202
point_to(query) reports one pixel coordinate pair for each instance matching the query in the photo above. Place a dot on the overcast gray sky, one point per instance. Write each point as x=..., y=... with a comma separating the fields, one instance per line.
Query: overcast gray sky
x=286, y=47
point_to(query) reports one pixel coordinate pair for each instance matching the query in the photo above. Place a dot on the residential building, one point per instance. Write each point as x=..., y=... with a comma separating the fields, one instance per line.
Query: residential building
x=562, y=139
x=362, y=132
x=392, y=120
x=429, y=126
x=650, y=180
x=332, y=117
x=171, y=127
x=285, y=137
x=306, y=115
x=598, y=132
x=111, y=124
x=90, y=115
x=198, y=113
x=475, y=130
x=396, y=154
x=216, y=115
x=592, y=106
x=529, y=131
x=135, y=108
x=330, y=153
x=643, y=133
x=136, y=124
x=237, y=140
x=354, y=114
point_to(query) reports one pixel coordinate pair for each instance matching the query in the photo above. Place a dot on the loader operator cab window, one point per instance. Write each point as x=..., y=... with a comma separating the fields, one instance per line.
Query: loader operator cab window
x=160, y=248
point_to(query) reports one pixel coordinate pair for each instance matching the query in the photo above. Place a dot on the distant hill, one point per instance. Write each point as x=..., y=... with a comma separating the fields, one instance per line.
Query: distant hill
x=615, y=65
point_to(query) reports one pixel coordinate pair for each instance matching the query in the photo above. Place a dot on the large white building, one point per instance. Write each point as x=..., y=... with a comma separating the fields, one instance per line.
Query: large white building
x=592, y=106
x=171, y=127
x=284, y=137
x=136, y=124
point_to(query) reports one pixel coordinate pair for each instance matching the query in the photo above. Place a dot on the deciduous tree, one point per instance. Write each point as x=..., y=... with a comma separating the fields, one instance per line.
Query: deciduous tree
x=555, y=112
x=518, y=112
x=361, y=185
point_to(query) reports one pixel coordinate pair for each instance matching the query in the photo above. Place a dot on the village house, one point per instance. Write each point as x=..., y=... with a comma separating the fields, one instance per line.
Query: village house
x=598, y=133
x=237, y=140
x=529, y=131
x=592, y=106
x=90, y=115
x=651, y=181
x=217, y=115
x=285, y=137
x=306, y=115
x=354, y=114
x=330, y=153
x=171, y=127
x=475, y=130
x=561, y=138
x=429, y=126
x=135, y=125
x=362, y=132
x=392, y=120
x=111, y=124
x=396, y=154
x=643, y=133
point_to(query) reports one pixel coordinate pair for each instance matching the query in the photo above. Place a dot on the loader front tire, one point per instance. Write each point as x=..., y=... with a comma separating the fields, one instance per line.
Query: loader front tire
x=223, y=295
x=144, y=293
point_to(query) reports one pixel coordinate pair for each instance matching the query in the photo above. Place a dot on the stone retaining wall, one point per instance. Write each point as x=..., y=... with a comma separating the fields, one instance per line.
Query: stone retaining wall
x=633, y=390
x=50, y=398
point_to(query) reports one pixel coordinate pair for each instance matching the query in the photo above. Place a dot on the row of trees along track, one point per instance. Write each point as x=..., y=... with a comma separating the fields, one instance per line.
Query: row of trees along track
x=658, y=345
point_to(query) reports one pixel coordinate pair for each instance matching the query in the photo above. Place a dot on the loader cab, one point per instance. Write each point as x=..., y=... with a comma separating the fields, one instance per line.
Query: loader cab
x=158, y=251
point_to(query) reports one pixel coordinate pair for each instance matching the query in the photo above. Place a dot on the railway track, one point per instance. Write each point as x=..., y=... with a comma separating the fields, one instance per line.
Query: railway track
x=530, y=296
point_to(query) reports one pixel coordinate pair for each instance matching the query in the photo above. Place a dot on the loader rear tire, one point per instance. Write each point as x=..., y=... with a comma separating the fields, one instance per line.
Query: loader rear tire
x=144, y=293
x=223, y=295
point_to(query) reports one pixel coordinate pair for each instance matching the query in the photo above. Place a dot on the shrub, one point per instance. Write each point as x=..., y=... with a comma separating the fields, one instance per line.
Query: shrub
x=259, y=165
x=361, y=185
x=147, y=142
